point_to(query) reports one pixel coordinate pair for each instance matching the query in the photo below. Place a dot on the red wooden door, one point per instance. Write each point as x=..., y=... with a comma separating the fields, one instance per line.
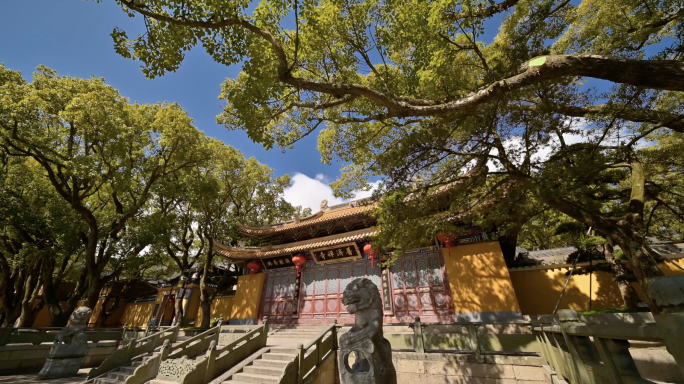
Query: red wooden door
x=322, y=288
x=278, y=300
x=419, y=287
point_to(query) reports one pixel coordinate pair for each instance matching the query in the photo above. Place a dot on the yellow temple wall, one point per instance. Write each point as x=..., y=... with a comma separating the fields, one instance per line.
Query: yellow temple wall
x=220, y=307
x=245, y=306
x=137, y=314
x=538, y=290
x=479, y=280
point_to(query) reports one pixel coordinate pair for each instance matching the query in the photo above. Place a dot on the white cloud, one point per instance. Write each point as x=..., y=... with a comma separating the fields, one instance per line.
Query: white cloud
x=309, y=192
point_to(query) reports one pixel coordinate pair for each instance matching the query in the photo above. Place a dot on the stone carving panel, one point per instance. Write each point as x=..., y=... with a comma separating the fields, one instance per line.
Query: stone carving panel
x=175, y=369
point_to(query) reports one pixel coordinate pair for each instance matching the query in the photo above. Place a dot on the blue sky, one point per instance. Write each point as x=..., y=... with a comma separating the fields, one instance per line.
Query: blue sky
x=72, y=37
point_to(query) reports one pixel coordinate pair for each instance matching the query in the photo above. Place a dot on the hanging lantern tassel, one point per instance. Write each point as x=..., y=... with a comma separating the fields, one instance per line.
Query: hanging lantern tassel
x=447, y=240
x=253, y=267
x=298, y=260
x=368, y=248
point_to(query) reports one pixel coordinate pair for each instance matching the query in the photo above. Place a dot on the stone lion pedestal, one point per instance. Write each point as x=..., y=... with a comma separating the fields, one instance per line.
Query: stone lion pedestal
x=373, y=353
x=69, y=348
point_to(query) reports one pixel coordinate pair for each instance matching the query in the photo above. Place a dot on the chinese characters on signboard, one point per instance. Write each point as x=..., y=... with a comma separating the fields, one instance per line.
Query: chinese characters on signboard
x=342, y=252
x=284, y=261
x=386, y=298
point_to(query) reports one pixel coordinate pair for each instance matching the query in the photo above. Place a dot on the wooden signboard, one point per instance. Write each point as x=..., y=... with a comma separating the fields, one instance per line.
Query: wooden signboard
x=342, y=252
x=386, y=295
x=284, y=261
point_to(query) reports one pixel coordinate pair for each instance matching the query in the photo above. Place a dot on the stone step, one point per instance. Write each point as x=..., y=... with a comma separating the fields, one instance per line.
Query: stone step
x=128, y=370
x=270, y=363
x=117, y=375
x=267, y=371
x=279, y=356
x=303, y=336
x=234, y=382
x=106, y=380
x=254, y=378
x=286, y=351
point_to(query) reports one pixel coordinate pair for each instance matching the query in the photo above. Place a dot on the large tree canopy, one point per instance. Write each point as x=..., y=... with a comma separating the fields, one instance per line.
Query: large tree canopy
x=514, y=107
x=94, y=188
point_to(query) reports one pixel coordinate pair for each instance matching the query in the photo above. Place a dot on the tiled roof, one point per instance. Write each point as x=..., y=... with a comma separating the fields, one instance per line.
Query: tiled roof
x=299, y=246
x=551, y=256
x=335, y=213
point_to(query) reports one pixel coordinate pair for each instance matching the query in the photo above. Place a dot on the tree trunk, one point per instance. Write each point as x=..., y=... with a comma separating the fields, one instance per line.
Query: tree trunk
x=205, y=298
x=30, y=290
x=644, y=266
x=629, y=295
x=59, y=317
x=178, y=317
x=104, y=313
x=13, y=297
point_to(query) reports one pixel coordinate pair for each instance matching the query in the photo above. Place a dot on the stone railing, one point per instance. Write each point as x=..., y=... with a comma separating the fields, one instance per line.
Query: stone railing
x=598, y=352
x=196, y=344
x=513, y=337
x=214, y=362
x=192, y=347
x=36, y=336
x=307, y=361
x=133, y=348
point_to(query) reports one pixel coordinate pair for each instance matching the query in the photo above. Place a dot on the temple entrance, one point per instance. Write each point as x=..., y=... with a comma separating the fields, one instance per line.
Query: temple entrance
x=322, y=287
x=278, y=299
x=419, y=289
x=416, y=286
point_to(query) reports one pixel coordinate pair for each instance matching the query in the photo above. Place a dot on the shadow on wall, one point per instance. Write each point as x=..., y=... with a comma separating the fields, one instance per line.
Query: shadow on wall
x=137, y=314
x=247, y=297
x=479, y=280
x=538, y=291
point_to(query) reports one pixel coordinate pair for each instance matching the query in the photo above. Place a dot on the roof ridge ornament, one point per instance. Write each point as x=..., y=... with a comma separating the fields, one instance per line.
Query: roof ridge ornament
x=324, y=206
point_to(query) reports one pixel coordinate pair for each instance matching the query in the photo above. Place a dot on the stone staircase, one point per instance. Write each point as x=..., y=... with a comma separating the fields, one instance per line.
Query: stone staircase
x=119, y=376
x=302, y=332
x=268, y=369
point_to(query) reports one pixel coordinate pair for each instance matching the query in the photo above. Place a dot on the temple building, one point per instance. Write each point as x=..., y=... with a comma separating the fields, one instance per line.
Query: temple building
x=467, y=282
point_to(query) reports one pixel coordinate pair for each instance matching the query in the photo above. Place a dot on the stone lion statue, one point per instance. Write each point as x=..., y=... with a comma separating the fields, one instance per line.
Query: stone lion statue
x=75, y=331
x=373, y=352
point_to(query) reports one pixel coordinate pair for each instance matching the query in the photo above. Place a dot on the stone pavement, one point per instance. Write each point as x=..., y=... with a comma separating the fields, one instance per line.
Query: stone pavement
x=31, y=378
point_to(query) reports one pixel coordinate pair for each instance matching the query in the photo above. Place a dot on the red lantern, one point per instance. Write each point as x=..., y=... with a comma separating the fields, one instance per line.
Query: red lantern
x=253, y=267
x=447, y=240
x=368, y=248
x=298, y=260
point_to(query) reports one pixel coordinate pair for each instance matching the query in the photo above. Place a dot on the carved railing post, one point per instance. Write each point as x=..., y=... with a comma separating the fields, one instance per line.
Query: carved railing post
x=175, y=334
x=583, y=356
x=211, y=360
x=123, y=332
x=300, y=363
x=608, y=363
x=166, y=349
x=418, y=343
x=334, y=335
x=264, y=334
x=668, y=293
x=475, y=342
